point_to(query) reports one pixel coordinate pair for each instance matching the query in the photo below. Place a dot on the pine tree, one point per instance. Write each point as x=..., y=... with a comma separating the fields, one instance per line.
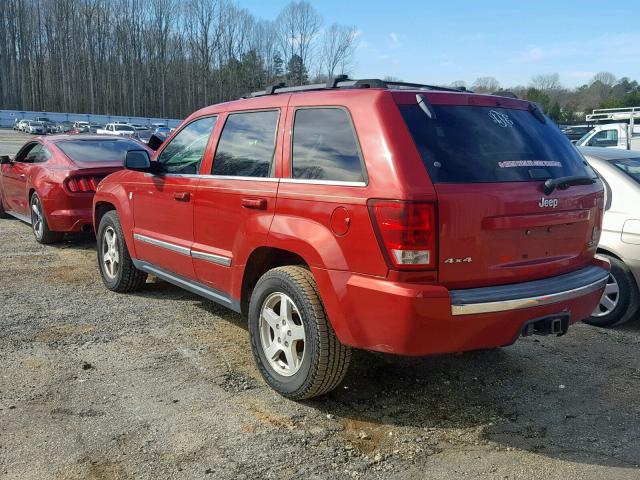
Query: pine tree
x=296, y=71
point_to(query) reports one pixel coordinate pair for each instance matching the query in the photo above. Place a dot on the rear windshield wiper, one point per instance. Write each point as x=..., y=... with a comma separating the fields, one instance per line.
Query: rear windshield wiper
x=563, y=183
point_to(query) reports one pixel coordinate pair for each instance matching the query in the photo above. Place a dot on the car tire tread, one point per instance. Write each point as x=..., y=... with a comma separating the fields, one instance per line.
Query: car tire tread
x=332, y=358
x=129, y=278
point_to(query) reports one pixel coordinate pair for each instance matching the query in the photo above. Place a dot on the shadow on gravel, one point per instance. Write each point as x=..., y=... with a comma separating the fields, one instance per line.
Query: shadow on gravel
x=502, y=396
x=552, y=397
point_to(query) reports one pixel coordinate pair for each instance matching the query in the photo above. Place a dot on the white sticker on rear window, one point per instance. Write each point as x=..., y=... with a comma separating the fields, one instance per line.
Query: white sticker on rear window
x=529, y=163
x=500, y=118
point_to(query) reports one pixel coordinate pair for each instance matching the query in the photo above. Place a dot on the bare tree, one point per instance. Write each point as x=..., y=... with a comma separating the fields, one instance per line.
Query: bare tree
x=486, y=85
x=546, y=82
x=338, y=49
x=298, y=26
x=154, y=57
x=606, y=78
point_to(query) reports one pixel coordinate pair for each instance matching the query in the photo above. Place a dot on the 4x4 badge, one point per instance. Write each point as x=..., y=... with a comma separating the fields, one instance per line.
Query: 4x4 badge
x=459, y=260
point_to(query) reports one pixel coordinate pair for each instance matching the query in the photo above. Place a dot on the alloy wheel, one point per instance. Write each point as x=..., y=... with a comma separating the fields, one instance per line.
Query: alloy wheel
x=37, y=219
x=110, y=253
x=609, y=299
x=282, y=334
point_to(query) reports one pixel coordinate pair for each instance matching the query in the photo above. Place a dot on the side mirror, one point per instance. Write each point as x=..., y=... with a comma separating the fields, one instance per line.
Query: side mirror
x=155, y=141
x=5, y=160
x=137, y=160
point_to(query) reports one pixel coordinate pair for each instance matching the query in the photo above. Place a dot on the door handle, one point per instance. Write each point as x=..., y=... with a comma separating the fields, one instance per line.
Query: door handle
x=22, y=175
x=182, y=196
x=256, y=203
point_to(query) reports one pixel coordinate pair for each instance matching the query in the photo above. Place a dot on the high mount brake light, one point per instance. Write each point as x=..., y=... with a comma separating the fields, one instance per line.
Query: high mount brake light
x=407, y=232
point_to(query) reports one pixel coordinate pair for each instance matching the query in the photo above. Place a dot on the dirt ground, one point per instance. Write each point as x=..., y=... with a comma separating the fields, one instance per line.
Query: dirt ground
x=161, y=385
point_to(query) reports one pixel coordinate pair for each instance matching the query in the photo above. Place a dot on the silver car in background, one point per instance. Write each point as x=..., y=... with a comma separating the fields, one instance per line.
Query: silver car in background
x=620, y=240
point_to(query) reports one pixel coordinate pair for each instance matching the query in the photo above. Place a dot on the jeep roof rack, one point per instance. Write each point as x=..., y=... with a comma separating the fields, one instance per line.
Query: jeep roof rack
x=343, y=81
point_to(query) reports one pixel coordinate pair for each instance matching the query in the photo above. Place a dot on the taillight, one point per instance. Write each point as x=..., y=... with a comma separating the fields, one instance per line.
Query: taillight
x=407, y=231
x=83, y=184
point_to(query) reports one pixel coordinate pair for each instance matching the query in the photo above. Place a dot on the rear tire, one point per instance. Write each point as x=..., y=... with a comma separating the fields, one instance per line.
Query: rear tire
x=39, y=224
x=619, y=302
x=118, y=272
x=293, y=342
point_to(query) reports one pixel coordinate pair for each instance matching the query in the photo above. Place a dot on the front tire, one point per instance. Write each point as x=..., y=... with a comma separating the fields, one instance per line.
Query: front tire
x=619, y=302
x=118, y=272
x=293, y=343
x=39, y=224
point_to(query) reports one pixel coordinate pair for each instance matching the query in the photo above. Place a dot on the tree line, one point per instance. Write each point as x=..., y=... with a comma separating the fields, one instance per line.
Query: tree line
x=163, y=58
x=566, y=105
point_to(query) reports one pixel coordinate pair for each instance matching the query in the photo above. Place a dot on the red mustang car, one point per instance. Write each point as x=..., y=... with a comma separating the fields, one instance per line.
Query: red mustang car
x=51, y=181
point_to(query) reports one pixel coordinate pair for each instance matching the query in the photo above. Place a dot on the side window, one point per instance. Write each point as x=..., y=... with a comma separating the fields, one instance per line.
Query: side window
x=39, y=155
x=325, y=146
x=185, y=151
x=605, y=138
x=22, y=156
x=247, y=144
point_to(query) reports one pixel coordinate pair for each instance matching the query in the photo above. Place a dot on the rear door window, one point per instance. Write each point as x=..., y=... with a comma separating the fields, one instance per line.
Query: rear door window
x=247, y=144
x=325, y=146
x=472, y=144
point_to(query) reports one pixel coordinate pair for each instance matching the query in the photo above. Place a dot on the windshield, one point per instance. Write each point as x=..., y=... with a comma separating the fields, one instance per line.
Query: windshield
x=97, y=150
x=463, y=144
x=123, y=128
x=631, y=166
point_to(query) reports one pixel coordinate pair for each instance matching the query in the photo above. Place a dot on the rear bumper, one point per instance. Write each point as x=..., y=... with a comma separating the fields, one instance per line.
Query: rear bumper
x=411, y=319
x=75, y=220
x=528, y=294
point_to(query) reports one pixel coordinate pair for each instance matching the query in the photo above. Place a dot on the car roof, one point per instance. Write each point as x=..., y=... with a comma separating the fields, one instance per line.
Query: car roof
x=324, y=96
x=609, y=153
x=64, y=137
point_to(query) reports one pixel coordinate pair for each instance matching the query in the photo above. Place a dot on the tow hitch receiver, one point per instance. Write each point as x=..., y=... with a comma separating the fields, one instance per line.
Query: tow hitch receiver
x=552, y=325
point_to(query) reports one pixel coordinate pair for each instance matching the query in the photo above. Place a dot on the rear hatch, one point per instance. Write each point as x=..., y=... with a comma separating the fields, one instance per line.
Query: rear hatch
x=488, y=158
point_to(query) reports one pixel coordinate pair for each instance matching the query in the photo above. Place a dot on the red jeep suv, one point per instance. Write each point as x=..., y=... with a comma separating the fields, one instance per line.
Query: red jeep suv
x=399, y=218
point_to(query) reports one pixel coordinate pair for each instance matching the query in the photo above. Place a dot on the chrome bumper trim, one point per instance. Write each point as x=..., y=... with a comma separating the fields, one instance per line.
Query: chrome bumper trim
x=462, y=308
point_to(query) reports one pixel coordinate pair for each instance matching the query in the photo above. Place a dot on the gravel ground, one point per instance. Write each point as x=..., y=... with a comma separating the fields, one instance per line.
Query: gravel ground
x=161, y=385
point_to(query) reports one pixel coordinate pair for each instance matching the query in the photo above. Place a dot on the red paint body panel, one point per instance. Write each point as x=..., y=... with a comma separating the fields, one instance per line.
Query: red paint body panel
x=64, y=210
x=414, y=319
x=369, y=304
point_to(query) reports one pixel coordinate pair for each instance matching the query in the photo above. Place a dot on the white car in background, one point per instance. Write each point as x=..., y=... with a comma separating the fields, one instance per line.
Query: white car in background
x=120, y=129
x=620, y=240
x=36, y=128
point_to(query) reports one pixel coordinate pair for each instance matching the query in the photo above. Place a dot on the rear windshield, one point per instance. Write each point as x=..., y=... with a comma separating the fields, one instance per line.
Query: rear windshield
x=463, y=144
x=631, y=166
x=97, y=150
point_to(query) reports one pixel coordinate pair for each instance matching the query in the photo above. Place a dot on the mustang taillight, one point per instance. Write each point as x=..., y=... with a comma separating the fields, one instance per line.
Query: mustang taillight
x=407, y=232
x=83, y=184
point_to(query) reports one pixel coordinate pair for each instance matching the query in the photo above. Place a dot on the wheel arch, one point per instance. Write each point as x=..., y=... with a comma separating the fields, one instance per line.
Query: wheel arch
x=608, y=252
x=99, y=210
x=260, y=261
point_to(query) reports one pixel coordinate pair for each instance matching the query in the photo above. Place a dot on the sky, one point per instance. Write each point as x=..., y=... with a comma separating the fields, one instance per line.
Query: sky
x=446, y=41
